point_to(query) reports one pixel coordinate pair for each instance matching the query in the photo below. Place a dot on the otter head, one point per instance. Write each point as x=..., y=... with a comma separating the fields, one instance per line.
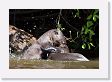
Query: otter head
x=57, y=37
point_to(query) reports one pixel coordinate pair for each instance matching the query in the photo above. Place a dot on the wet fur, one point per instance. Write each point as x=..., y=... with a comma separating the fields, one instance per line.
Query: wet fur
x=67, y=57
x=52, y=38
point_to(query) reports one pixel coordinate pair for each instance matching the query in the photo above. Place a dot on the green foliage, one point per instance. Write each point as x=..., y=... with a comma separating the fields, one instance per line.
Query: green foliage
x=85, y=35
x=87, y=31
x=84, y=46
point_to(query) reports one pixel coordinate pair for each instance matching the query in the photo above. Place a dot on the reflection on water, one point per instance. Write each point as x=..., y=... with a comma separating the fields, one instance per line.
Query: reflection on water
x=51, y=64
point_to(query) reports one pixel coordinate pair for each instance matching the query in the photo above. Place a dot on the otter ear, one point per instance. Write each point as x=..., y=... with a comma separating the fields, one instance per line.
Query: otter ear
x=56, y=32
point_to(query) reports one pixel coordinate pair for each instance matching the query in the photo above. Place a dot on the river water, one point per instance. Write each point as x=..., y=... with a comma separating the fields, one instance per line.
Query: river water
x=51, y=64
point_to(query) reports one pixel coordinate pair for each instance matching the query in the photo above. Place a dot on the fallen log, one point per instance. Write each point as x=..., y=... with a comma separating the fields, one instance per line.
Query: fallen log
x=19, y=40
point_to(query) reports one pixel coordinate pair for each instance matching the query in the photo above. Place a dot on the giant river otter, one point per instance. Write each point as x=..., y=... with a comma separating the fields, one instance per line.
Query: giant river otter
x=52, y=38
x=33, y=52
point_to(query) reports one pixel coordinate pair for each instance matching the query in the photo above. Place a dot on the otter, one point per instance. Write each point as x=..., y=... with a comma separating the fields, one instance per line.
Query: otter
x=67, y=57
x=52, y=41
x=49, y=50
x=33, y=52
x=54, y=53
x=53, y=38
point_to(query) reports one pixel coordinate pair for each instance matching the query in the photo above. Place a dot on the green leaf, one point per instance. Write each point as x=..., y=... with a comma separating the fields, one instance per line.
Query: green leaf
x=91, y=32
x=82, y=29
x=84, y=46
x=89, y=23
x=94, y=18
x=96, y=11
x=89, y=17
x=86, y=31
x=90, y=37
x=97, y=16
x=91, y=44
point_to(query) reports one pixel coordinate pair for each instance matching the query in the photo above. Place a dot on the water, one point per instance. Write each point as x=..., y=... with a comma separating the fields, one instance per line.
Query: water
x=51, y=64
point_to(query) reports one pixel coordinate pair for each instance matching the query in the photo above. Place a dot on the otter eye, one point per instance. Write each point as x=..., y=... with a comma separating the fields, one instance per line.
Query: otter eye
x=56, y=32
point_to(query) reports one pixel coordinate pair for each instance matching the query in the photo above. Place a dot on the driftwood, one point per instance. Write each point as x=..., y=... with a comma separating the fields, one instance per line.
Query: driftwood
x=19, y=39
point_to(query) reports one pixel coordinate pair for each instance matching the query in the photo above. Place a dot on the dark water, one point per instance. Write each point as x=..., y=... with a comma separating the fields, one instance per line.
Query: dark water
x=51, y=64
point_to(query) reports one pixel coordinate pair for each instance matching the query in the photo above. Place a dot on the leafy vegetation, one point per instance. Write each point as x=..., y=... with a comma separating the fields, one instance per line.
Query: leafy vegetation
x=88, y=29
